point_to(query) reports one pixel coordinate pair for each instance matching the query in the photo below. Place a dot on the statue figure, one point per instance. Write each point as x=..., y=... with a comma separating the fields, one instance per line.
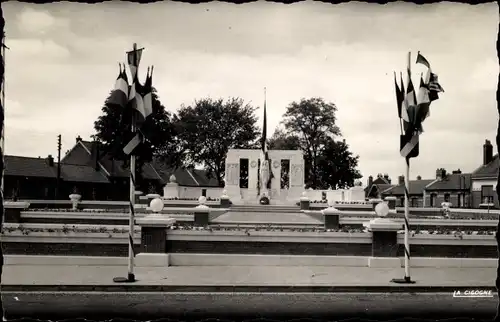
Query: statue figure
x=264, y=174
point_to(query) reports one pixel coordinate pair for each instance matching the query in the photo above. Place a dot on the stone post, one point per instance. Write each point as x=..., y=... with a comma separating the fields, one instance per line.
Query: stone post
x=138, y=195
x=331, y=218
x=224, y=200
x=375, y=202
x=304, y=202
x=391, y=202
x=13, y=211
x=384, y=239
x=154, y=230
x=201, y=213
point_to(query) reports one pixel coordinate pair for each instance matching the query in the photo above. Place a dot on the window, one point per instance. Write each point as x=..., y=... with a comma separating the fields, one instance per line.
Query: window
x=488, y=199
x=487, y=194
x=414, y=202
x=204, y=192
x=433, y=200
x=460, y=200
x=402, y=201
x=446, y=197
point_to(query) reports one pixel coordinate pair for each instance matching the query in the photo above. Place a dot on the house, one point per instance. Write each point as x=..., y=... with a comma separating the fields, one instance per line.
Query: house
x=454, y=188
x=94, y=175
x=29, y=178
x=416, y=191
x=484, y=179
x=375, y=187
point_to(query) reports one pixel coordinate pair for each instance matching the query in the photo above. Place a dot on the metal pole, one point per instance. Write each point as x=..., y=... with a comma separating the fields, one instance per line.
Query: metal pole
x=407, y=206
x=131, y=276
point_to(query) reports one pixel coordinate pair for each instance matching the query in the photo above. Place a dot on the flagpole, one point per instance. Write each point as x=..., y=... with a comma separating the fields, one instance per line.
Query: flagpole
x=131, y=277
x=407, y=201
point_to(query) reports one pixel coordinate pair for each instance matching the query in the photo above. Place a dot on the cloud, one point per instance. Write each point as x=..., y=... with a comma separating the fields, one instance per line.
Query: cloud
x=33, y=21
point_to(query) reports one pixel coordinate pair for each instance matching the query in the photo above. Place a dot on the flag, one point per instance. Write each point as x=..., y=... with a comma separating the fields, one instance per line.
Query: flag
x=119, y=95
x=410, y=104
x=434, y=87
x=422, y=111
x=148, y=94
x=134, y=58
x=421, y=60
x=399, y=96
x=419, y=109
x=431, y=80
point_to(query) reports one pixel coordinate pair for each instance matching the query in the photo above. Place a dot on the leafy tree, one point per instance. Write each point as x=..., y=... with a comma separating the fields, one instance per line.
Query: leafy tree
x=312, y=121
x=113, y=131
x=336, y=165
x=209, y=128
x=310, y=126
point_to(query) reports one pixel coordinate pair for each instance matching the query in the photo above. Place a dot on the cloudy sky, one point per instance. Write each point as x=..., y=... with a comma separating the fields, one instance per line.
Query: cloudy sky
x=63, y=59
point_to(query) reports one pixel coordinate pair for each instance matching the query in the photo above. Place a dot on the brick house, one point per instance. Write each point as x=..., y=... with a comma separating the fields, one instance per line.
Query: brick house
x=416, y=191
x=454, y=188
x=375, y=187
x=484, y=179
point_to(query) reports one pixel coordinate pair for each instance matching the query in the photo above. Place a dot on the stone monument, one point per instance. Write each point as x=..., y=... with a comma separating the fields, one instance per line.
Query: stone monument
x=251, y=194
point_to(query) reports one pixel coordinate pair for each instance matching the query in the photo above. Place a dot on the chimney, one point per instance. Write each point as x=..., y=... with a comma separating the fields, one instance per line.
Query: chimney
x=419, y=178
x=487, y=152
x=370, y=181
x=457, y=171
x=50, y=161
x=78, y=139
x=401, y=180
x=439, y=174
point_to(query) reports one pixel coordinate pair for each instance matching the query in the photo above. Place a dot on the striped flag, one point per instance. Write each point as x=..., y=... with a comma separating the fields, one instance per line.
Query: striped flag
x=428, y=92
x=139, y=97
x=148, y=93
x=119, y=95
x=419, y=110
x=400, y=100
x=431, y=79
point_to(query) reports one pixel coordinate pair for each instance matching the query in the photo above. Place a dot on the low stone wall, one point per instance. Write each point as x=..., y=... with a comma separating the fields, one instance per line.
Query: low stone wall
x=67, y=249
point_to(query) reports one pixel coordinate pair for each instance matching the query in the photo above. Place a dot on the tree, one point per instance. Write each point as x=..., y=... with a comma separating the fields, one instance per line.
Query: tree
x=336, y=165
x=113, y=131
x=209, y=128
x=312, y=121
x=310, y=126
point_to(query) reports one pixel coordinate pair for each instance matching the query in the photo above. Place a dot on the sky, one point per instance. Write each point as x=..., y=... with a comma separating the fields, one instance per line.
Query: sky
x=63, y=62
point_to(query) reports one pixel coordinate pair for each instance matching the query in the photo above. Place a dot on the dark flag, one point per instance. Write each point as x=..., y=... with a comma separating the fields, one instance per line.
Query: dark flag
x=399, y=96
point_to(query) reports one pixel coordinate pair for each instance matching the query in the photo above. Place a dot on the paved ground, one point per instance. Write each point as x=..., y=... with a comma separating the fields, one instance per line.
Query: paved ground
x=215, y=278
x=58, y=292
x=266, y=217
x=239, y=306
